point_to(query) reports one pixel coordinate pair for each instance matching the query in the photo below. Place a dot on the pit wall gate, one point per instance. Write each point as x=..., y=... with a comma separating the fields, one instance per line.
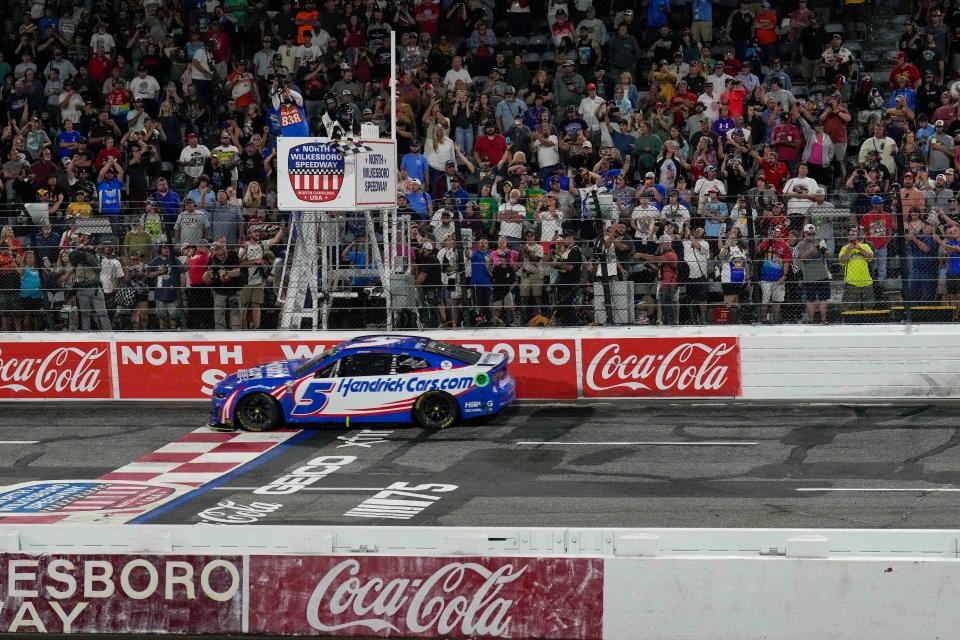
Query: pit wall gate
x=749, y=363
x=396, y=582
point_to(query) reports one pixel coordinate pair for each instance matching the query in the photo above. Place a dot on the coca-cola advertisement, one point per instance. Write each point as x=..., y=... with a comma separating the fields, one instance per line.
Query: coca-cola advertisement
x=34, y=370
x=427, y=597
x=545, y=369
x=96, y=593
x=661, y=367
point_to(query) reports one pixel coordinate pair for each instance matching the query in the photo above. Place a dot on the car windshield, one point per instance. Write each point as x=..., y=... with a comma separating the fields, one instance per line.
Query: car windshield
x=462, y=354
x=314, y=361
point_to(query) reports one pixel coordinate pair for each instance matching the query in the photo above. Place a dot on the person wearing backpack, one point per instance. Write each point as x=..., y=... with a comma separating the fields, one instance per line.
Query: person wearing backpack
x=734, y=267
x=667, y=259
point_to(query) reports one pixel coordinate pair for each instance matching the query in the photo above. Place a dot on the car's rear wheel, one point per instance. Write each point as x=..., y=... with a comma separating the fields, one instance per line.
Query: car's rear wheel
x=258, y=412
x=435, y=410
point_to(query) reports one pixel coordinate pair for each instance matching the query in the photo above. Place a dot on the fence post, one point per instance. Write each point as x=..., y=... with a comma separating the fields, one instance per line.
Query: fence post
x=602, y=263
x=904, y=263
x=752, y=248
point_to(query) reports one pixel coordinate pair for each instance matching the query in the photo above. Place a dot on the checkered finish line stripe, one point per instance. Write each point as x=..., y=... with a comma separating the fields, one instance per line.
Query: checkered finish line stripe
x=188, y=462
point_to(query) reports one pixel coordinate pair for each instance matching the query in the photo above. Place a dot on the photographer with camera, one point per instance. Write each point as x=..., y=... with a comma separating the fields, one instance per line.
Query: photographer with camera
x=226, y=278
x=86, y=261
x=812, y=254
x=856, y=256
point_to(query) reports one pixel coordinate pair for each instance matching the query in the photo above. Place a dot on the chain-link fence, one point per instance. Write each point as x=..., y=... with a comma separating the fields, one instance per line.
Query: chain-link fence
x=542, y=259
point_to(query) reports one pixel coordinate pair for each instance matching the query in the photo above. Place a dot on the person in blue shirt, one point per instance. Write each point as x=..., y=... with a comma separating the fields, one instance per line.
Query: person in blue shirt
x=923, y=262
x=419, y=200
x=459, y=194
x=169, y=203
x=951, y=249
x=67, y=140
x=163, y=274
x=109, y=186
x=909, y=96
x=702, y=27
x=658, y=14
x=355, y=254
x=415, y=162
x=480, y=282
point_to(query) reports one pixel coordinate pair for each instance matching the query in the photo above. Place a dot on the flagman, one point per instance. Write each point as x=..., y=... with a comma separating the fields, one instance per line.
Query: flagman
x=293, y=119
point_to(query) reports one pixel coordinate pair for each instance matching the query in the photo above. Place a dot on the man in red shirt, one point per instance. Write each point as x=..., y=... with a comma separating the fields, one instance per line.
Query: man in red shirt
x=100, y=66
x=788, y=142
x=774, y=171
x=906, y=69
x=491, y=144
x=682, y=103
x=775, y=259
x=199, y=299
x=667, y=259
x=879, y=226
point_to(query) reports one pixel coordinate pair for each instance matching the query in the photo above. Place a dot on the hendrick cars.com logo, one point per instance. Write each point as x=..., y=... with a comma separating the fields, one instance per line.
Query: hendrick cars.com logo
x=427, y=597
x=49, y=369
x=671, y=367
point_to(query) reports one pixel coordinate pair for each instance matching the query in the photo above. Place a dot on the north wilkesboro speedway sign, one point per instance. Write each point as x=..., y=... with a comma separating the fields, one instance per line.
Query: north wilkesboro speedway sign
x=313, y=175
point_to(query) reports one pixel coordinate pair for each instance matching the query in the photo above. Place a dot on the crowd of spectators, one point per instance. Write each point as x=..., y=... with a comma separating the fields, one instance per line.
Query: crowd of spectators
x=724, y=158
x=138, y=144
x=730, y=160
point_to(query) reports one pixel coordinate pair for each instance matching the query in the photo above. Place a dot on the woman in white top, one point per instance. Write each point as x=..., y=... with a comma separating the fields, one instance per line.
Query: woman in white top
x=551, y=218
x=644, y=219
x=438, y=150
x=511, y=217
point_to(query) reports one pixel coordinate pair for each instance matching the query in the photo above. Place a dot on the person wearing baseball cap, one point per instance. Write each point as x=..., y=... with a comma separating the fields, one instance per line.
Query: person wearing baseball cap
x=569, y=264
x=668, y=279
x=812, y=253
x=775, y=258
x=910, y=196
x=941, y=149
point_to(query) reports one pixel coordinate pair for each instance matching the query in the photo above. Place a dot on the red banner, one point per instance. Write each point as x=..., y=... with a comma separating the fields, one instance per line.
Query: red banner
x=427, y=597
x=33, y=370
x=120, y=594
x=664, y=367
x=189, y=369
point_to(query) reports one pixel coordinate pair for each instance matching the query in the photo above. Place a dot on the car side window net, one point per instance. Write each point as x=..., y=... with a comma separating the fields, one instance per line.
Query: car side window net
x=365, y=364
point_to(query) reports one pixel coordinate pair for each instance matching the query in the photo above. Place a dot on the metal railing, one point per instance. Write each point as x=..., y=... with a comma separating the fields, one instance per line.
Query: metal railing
x=597, y=262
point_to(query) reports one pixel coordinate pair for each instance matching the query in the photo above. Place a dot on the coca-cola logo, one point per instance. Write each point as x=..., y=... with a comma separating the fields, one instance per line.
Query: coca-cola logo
x=63, y=369
x=463, y=598
x=691, y=368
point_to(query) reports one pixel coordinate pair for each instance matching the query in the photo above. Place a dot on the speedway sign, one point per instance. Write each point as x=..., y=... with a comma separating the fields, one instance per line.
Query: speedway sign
x=315, y=175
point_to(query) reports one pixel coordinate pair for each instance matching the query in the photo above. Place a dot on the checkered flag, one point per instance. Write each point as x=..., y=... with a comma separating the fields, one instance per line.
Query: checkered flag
x=350, y=146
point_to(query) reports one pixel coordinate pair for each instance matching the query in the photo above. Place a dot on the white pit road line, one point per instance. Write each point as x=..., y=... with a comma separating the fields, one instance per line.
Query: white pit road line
x=720, y=443
x=888, y=489
x=19, y=442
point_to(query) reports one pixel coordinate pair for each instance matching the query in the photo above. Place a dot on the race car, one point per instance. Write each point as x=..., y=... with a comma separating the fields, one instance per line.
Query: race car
x=381, y=378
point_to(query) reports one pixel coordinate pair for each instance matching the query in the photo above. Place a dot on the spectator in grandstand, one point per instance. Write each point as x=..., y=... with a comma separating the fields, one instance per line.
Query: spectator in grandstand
x=855, y=257
x=85, y=260
x=224, y=275
x=776, y=258
x=923, y=260
x=164, y=274
x=879, y=227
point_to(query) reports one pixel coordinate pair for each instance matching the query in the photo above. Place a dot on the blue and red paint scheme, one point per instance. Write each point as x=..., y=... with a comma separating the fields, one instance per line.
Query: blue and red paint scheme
x=399, y=369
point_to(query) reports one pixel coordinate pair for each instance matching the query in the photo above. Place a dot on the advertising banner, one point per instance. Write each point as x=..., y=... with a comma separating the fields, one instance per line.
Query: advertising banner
x=151, y=594
x=36, y=370
x=660, y=367
x=426, y=597
x=189, y=369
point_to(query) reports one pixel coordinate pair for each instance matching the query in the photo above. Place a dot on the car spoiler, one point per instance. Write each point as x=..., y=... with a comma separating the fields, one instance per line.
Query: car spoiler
x=491, y=359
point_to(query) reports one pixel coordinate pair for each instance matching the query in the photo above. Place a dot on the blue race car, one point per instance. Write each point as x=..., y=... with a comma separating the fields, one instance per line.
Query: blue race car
x=383, y=378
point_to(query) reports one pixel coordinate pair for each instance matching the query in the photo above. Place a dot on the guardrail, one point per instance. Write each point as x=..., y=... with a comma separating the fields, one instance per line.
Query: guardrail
x=560, y=583
x=744, y=363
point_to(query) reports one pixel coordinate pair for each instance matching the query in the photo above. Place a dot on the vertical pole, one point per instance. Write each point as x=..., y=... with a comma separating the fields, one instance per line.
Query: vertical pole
x=602, y=263
x=902, y=247
x=393, y=85
x=752, y=248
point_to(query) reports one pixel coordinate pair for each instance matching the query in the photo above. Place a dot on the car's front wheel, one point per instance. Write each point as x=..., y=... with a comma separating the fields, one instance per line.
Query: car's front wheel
x=435, y=410
x=258, y=412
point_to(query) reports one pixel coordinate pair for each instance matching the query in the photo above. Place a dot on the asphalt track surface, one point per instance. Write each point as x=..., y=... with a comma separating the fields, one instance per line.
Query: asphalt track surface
x=587, y=464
